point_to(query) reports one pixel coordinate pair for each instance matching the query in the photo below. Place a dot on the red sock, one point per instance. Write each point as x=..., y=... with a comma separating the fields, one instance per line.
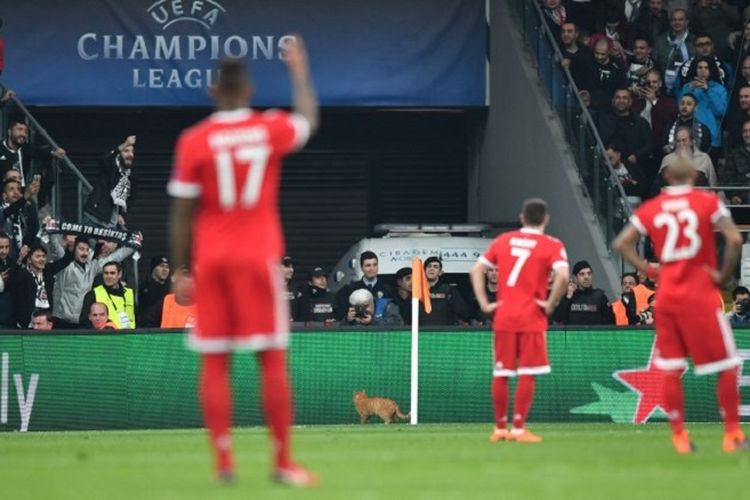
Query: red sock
x=216, y=397
x=500, y=401
x=729, y=399
x=674, y=401
x=524, y=398
x=277, y=403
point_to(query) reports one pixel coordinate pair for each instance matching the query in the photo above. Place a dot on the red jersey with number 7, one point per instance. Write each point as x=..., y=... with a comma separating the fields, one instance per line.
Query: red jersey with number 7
x=680, y=223
x=231, y=162
x=524, y=260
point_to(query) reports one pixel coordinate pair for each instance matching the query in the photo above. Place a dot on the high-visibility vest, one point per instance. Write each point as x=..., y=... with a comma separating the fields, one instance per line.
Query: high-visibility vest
x=118, y=305
x=642, y=294
x=174, y=315
x=621, y=315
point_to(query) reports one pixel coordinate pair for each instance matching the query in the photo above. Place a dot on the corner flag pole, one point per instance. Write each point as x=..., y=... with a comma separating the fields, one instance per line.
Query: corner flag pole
x=420, y=290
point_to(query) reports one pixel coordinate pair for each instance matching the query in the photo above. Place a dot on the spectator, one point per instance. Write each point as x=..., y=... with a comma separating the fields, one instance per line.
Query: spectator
x=368, y=263
x=685, y=147
x=660, y=112
x=98, y=317
x=736, y=118
x=448, y=306
x=362, y=310
x=2, y=49
x=716, y=19
x=686, y=119
x=607, y=76
x=654, y=21
x=556, y=15
x=317, y=302
x=16, y=153
x=6, y=298
x=583, y=304
x=114, y=188
x=19, y=216
x=41, y=320
x=710, y=95
x=629, y=10
x=32, y=285
x=157, y=285
x=616, y=32
x=77, y=278
x=740, y=315
x=674, y=47
x=174, y=310
x=490, y=288
x=741, y=79
x=291, y=292
x=630, y=130
x=704, y=47
x=624, y=309
x=402, y=297
x=120, y=300
x=584, y=13
x=736, y=170
x=739, y=44
x=639, y=63
x=630, y=176
x=576, y=57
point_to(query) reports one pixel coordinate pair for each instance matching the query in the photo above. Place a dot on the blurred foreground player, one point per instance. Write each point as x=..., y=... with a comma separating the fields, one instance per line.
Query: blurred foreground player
x=524, y=260
x=225, y=188
x=681, y=222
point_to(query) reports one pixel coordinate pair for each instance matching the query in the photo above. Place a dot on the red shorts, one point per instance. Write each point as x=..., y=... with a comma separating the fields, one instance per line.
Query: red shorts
x=239, y=306
x=520, y=353
x=705, y=335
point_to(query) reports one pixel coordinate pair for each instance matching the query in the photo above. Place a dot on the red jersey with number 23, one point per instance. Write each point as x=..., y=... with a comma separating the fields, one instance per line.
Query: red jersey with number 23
x=524, y=260
x=680, y=223
x=231, y=163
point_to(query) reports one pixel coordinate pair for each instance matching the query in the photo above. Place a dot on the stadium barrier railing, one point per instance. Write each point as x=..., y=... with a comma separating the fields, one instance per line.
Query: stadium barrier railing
x=147, y=380
x=610, y=204
x=83, y=186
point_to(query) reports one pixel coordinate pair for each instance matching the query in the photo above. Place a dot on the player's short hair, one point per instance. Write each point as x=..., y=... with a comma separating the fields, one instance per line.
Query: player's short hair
x=740, y=290
x=113, y=263
x=367, y=255
x=534, y=211
x=233, y=76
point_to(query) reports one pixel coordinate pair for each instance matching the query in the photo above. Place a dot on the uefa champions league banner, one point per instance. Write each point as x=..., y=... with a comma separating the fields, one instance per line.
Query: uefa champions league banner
x=147, y=380
x=164, y=52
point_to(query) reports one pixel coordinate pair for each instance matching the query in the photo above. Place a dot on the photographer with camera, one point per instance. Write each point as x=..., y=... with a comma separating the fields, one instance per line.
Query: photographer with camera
x=740, y=314
x=363, y=311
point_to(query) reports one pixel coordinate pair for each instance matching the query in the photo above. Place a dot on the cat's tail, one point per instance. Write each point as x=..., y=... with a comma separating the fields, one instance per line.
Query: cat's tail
x=401, y=415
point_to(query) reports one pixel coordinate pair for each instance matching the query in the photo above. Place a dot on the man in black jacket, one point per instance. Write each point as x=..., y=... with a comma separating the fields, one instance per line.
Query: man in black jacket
x=32, y=284
x=631, y=131
x=583, y=304
x=317, y=302
x=448, y=306
x=114, y=188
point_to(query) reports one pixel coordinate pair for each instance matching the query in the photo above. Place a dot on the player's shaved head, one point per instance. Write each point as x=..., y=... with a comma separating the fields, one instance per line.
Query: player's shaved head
x=680, y=171
x=534, y=212
x=233, y=87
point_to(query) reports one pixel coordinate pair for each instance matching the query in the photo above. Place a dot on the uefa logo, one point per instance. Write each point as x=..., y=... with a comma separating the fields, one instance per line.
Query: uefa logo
x=169, y=12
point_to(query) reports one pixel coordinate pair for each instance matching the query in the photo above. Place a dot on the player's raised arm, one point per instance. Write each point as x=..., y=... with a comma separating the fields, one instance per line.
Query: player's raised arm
x=303, y=91
x=732, y=245
x=478, y=276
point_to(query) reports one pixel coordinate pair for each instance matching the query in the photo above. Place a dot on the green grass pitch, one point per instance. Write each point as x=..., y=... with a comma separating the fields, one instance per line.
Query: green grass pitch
x=575, y=461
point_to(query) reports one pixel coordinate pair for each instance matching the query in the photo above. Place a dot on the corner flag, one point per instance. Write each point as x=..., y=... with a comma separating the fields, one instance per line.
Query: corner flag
x=420, y=290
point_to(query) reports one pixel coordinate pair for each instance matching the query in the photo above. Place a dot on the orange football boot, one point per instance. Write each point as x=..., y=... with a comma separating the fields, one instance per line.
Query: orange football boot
x=524, y=436
x=735, y=441
x=682, y=443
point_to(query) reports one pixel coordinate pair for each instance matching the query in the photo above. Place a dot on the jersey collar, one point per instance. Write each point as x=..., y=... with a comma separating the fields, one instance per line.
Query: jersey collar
x=235, y=115
x=531, y=230
x=679, y=189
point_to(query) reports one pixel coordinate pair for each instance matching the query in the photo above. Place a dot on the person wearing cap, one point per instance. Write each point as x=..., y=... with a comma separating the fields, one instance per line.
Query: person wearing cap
x=583, y=304
x=365, y=311
x=77, y=278
x=154, y=289
x=292, y=292
x=402, y=297
x=368, y=264
x=317, y=303
x=448, y=306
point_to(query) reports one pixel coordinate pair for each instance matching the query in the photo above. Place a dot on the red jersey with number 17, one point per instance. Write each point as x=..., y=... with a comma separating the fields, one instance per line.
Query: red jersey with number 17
x=231, y=162
x=524, y=260
x=680, y=223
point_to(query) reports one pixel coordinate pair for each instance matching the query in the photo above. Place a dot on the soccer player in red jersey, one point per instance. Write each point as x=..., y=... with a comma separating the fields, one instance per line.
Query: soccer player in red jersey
x=225, y=185
x=688, y=317
x=524, y=260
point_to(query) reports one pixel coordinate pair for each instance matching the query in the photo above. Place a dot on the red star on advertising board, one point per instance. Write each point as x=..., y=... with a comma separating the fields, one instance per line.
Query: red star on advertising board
x=648, y=383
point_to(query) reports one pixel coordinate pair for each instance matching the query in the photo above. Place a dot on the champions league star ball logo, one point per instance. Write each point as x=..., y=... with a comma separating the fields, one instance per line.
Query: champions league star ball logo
x=169, y=12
